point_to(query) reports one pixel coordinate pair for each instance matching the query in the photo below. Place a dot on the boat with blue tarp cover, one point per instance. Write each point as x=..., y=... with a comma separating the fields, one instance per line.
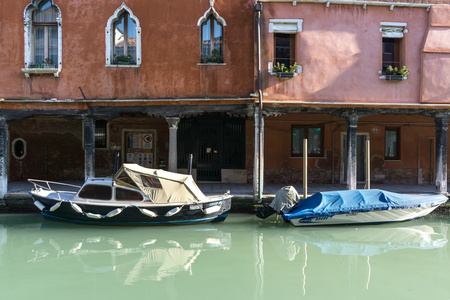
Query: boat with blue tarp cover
x=134, y=196
x=351, y=207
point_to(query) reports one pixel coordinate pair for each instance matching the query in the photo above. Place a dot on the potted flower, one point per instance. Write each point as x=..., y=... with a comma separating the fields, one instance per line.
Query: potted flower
x=283, y=71
x=204, y=58
x=393, y=73
x=216, y=57
x=123, y=59
x=45, y=64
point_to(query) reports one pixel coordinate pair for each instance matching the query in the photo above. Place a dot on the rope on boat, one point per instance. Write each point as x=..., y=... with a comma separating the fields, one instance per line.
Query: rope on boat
x=79, y=210
x=111, y=214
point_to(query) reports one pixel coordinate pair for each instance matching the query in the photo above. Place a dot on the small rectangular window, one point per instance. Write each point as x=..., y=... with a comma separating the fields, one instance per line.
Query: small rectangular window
x=128, y=195
x=392, y=39
x=101, y=133
x=314, y=135
x=391, y=53
x=97, y=192
x=392, y=144
x=284, y=49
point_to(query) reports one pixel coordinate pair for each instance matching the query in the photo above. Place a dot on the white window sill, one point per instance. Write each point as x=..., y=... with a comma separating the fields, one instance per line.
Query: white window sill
x=39, y=71
x=211, y=64
x=122, y=66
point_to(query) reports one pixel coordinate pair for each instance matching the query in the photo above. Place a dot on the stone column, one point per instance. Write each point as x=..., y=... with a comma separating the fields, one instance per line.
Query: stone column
x=441, y=122
x=89, y=147
x=3, y=157
x=352, y=124
x=173, y=151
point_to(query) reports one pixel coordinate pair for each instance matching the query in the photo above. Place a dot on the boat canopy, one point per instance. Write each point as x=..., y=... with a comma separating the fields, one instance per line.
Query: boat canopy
x=352, y=201
x=159, y=185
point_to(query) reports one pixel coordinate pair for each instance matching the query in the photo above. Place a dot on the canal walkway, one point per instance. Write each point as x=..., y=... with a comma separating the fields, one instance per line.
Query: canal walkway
x=19, y=200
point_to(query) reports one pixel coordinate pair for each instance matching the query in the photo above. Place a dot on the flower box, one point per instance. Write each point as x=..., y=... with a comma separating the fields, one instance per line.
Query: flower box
x=395, y=77
x=42, y=66
x=286, y=74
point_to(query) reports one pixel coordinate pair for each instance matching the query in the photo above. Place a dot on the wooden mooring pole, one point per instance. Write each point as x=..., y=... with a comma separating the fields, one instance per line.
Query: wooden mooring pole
x=305, y=168
x=367, y=164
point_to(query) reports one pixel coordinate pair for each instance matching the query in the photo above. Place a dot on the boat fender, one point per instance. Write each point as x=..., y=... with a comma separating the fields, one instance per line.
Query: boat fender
x=114, y=213
x=211, y=209
x=76, y=208
x=148, y=212
x=93, y=216
x=55, y=206
x=173, y=211
x=39, y=205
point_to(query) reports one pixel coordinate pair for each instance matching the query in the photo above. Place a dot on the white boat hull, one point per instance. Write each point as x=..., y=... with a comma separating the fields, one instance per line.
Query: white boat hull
x=371, y=217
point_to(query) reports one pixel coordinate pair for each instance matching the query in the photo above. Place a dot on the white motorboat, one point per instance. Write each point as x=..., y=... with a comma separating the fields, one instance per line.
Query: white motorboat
x=134, y=196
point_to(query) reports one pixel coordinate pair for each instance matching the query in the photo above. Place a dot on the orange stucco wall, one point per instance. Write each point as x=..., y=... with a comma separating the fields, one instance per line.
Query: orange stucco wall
x=170, y=52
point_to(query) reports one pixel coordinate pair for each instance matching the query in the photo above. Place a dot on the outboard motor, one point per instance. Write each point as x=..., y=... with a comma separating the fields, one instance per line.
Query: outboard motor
x=285, y=199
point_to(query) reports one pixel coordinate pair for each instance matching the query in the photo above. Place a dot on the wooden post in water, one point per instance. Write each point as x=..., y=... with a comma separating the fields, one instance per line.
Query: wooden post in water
x=367, y=164
x=305, y=168
x=190, y=159
x=3, y=157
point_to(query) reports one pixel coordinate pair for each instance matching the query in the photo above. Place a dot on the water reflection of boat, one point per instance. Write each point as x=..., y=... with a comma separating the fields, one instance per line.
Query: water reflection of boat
x=355, y=245
x=155, y=256
x=366, y=240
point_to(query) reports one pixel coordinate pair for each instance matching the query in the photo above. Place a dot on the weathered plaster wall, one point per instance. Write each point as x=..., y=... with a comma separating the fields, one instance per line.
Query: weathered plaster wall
x=340, y=50
x=416, y=163
x=170, y=52
x=55, y=147
x=436, y=58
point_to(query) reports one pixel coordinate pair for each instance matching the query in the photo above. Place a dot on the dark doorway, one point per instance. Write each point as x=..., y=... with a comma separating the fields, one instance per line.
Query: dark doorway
x=216, y=141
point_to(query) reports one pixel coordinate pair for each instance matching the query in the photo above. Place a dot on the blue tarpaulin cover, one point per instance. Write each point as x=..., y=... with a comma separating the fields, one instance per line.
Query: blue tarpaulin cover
x=351, y=201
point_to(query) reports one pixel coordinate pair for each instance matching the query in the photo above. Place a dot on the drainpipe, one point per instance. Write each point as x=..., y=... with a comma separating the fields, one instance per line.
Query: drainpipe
x=260, y=161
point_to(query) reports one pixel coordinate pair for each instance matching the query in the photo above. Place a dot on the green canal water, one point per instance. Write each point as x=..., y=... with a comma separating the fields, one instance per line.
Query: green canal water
x=241, y=258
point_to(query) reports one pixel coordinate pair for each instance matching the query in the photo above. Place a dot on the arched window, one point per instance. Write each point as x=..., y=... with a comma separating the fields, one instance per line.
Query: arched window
x=123, y=39
x=211, y=39
x=45, y=34
x=43, y=38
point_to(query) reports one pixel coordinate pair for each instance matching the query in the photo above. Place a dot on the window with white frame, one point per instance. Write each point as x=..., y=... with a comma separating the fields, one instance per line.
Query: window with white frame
x=392, y=143
x=43, y=38
x=211, y=36
x=123, y=39
x=284, y=37
x=392, y=48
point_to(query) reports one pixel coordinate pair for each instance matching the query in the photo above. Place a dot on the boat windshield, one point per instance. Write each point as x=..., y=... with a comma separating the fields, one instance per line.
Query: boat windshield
x=98, y=192
x=124, y=194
